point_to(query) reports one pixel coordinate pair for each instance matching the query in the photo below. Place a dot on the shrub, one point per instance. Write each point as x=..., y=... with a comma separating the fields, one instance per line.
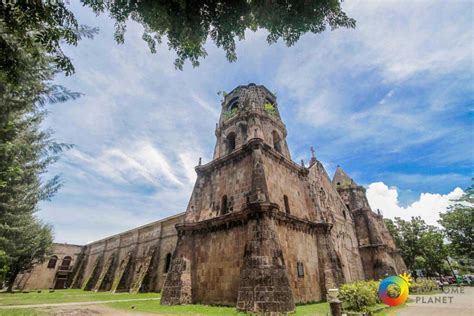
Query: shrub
x=359, y=296
x=269, y=108
x=230, y=113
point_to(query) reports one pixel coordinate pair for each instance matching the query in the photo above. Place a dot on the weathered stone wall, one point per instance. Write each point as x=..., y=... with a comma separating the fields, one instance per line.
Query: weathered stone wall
x=132, y=261
x=301, y=247
x=379, y=253
x=42, y=277
x=283, y=177
x=217, y=264
x=230, y=177
x=332, y=210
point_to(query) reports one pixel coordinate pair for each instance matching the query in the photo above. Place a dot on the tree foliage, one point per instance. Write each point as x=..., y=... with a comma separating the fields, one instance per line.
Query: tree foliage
x=188, y=24
x=421, y=245
x=30, y=56
x=458, y=224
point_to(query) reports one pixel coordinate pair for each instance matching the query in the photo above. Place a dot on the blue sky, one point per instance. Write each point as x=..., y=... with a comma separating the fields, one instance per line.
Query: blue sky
x=390, y=101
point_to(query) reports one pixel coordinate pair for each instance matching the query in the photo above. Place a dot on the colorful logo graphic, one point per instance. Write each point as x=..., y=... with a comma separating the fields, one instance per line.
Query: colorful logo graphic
x=402, y=281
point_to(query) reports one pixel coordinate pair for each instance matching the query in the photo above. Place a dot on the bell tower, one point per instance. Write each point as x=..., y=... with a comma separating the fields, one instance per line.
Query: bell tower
x=249, y=112
x=253, y=235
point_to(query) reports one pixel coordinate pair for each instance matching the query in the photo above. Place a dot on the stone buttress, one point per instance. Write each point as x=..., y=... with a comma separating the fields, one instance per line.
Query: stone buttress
x=379, y=253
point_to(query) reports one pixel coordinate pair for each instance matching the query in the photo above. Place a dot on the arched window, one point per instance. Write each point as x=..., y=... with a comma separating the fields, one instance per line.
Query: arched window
x=52, y=262
x=224, y=206
x=233, y=105
x=167, y=262
x=276, y=141
x=230, y=143
x=287, y=204
x=66, y=263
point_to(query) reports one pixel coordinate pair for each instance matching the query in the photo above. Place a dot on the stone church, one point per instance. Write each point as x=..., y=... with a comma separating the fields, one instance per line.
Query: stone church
x=260, y=232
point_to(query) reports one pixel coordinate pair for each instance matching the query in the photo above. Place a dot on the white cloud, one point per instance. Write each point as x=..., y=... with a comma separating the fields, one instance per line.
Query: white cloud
x=428, y=206
x=136, y=162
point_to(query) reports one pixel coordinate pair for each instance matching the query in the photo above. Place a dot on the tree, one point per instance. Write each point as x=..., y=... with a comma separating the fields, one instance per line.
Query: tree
x=188, y=24
x=30, y=57
x=421, y=245
x=3, y=267
x=458, y=225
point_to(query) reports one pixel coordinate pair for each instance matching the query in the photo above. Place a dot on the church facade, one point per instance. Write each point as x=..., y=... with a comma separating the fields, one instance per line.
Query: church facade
x=260, y=232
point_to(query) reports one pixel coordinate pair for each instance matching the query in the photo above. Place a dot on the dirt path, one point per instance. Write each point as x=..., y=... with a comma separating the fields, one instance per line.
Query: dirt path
x=81, y=308
x=447, y=304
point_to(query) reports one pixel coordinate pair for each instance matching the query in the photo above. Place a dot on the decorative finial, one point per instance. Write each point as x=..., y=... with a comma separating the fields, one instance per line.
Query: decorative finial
x=302, y=163
x=200, y=161
x=313, y=157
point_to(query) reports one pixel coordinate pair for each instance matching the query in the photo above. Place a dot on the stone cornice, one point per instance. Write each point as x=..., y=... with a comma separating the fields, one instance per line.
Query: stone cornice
x=374, y=246
x=253, y=211
x=254, y=143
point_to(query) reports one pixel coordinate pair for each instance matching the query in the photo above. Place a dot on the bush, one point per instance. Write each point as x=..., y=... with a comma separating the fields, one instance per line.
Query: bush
x=269, y=108
x=423, y=286
x=359, y=296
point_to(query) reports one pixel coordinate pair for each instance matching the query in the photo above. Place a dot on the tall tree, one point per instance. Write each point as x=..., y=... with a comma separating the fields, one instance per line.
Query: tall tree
x=30, y=57
x=458, y=225
x=421, y=245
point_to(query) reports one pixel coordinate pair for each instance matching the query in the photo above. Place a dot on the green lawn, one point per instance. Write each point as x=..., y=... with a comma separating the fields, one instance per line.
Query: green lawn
x=390, y=311
x=320, y=309
x=63, y=296
x=22, y=312
x=155, y=307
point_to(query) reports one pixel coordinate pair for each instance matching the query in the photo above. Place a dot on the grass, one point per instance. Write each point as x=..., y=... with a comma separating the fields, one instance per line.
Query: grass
x=22, y=312
x=319, y=309
x=155, y=307
x=390, y=311
x=63, y=296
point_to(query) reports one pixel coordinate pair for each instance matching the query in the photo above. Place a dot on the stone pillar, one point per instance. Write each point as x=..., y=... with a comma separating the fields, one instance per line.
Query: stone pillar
x=330, y=266
x=334, y=303
x=264, y=284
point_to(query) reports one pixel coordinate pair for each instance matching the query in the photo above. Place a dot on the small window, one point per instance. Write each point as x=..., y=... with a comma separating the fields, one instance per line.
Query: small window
x=287, y=204
x=344, y=213
x=224, y=206
x=65, y=264
x=167, y=262
x=52, y=262
x=230, y=143
x=300, y=268
x=66, y=261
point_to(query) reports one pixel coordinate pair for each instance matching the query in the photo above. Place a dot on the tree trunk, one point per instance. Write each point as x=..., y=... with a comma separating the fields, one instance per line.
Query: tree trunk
x=11, y=280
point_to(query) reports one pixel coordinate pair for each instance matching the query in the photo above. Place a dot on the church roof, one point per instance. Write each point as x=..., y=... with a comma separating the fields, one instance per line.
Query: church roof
x=341, y=178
